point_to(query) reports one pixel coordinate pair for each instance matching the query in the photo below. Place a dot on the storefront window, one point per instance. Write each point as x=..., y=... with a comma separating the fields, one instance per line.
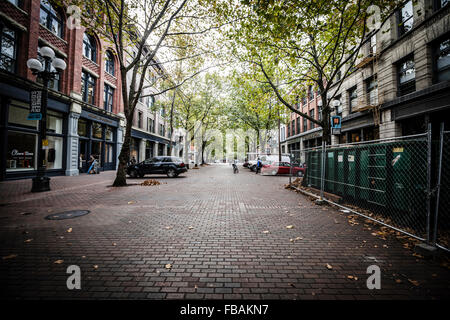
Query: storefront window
x=18, y=117
x=97, y=150
x=21, y=154
x=54, y=122
x=109, y=134
x=53, y=155
x=96, y=130
x=134, y=149
x=109, y=153
x=82, y=128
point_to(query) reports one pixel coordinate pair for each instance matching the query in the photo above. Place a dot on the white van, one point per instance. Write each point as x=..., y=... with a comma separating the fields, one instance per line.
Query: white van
x=267, y=159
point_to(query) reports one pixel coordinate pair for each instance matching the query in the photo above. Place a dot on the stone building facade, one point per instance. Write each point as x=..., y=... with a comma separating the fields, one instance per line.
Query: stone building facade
x=400, y=83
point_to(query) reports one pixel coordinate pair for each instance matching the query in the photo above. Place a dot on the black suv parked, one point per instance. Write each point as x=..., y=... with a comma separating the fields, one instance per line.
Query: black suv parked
x=172, y=166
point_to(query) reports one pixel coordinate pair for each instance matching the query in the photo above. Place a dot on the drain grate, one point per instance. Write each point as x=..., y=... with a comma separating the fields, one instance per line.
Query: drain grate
x=67, y=215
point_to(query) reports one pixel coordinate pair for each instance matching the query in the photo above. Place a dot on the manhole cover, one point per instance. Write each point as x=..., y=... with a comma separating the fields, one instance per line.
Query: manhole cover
x=67, y=215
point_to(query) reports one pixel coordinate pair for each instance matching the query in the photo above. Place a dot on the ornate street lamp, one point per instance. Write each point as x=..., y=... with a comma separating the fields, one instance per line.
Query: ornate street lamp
x=41, y=182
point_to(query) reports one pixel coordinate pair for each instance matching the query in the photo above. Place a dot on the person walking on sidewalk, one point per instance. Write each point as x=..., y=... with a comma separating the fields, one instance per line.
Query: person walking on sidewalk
x=258, y=166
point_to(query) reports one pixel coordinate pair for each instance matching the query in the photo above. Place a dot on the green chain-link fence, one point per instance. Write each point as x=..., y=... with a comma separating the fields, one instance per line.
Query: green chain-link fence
x=386, y=180
x=442, y=215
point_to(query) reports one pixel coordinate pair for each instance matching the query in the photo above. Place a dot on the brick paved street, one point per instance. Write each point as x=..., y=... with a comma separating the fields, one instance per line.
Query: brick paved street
x=209, y=226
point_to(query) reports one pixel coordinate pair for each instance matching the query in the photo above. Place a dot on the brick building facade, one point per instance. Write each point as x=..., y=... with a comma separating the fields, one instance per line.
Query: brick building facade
x=85, y=109
x=300, y=132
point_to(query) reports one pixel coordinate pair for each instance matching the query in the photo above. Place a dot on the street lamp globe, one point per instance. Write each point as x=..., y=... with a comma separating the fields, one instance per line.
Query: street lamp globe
x=47, y=52
x=59, y=64
x=336, y=103
x=35, y=65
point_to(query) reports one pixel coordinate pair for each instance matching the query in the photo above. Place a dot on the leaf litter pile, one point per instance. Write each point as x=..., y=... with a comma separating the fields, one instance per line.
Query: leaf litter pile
x=377, y=230
x=150, y=182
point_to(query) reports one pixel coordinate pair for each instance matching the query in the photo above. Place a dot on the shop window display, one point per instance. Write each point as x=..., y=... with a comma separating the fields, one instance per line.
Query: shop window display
x=21, y=152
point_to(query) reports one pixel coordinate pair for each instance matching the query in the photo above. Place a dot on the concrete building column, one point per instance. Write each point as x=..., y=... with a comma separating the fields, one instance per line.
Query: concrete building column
x=72, y=145
x=142, y=145
x=155, y=149
x=72, y=157
x=165, y=150
x=388, y=127
x=120, y=137
x=334, y=139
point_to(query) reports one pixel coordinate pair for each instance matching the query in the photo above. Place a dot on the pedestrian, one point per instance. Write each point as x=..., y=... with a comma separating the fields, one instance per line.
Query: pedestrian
x=81, y=162
x=258, y=166
x=91, y=164
x=235, y=168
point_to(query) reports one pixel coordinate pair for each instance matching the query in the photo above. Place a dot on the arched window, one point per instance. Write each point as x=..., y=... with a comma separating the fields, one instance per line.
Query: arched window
x=109, y=63
x=50, y=18
x=89, y=47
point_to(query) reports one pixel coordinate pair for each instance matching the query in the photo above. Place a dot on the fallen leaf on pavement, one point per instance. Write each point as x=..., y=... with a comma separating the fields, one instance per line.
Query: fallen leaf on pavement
x=329, y=267
x=114, y=244
x=95, y=267
x=169, y=227
x=11, y=256
x=168, y=266
x=398, y=281
x=290, y=227
x=58, y=261
x=28, y=240
x=190, y=227
x=352, y=277
x=69, y=230
x=150, y=182
x=296, y=239
x=130, y=202
x=414, y=282
x=266, y=231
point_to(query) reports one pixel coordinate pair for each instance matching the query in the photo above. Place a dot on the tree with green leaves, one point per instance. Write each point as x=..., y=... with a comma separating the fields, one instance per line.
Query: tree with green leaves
x=252, y=106
x=299, y=43
x=140, y=31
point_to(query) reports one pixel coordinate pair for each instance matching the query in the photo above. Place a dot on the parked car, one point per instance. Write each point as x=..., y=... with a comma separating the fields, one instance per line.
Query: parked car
x=172, y=166
x=282, y=168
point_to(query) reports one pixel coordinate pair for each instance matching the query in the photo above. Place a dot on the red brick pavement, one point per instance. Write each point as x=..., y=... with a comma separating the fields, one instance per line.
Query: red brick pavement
x=209, y=225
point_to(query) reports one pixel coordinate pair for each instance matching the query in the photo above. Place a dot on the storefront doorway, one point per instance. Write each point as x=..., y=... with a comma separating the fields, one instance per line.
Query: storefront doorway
x=98, y=141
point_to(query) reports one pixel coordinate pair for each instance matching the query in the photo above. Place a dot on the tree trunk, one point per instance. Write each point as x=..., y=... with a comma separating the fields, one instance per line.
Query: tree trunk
x=124, y=156
x=279, y=137
x=186, y=148
x=171, y=123
x=326, y=113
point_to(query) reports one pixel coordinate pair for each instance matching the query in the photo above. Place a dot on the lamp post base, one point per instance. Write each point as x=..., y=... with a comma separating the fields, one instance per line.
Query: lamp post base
x=41, y=184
